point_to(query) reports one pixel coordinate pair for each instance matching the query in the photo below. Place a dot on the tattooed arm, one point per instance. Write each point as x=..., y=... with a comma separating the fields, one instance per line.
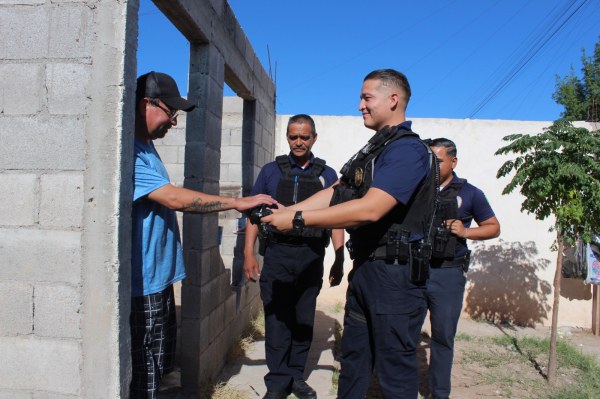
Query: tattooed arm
x=185, y=200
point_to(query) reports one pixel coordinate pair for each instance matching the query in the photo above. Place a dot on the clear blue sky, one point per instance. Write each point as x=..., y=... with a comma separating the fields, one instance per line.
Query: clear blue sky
x=480, y=59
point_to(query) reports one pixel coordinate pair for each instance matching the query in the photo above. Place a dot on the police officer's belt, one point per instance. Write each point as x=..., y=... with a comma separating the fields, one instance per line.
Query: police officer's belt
x=448, y=263
x=296, y=240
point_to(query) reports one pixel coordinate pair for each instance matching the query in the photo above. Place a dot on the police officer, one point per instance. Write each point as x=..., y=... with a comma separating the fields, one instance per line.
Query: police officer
x=386, y=198
x=460, y=203
x=292, y=274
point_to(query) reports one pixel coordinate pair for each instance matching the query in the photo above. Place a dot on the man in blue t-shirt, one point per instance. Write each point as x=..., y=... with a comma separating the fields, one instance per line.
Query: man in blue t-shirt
x=385, y=198
x=292, y=274
x=157, y=259
x=462, y=203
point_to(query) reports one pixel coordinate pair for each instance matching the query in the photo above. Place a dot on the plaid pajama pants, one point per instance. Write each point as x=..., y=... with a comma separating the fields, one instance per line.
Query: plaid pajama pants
x=153, y=339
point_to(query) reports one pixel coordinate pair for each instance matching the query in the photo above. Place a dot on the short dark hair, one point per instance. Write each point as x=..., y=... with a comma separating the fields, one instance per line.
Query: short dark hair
x=302, y=118
x=446, y=143
x=391, y=77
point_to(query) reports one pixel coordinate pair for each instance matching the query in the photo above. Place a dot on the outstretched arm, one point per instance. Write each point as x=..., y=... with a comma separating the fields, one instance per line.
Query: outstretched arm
x=186, y=200
x=370, y=208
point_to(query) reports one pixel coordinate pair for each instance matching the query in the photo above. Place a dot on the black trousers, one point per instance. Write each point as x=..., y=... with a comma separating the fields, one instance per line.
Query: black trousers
x=382, y=326
x=290, y=281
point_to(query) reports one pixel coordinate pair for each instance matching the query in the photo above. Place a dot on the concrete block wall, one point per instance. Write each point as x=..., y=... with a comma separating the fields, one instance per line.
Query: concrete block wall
x=63, y=67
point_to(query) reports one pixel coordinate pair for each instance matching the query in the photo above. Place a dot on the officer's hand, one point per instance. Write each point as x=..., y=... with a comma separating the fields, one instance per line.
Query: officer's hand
x=281, y=219
x=456, y=227
x=245, y=203
x=251, y=268
x=337, y=270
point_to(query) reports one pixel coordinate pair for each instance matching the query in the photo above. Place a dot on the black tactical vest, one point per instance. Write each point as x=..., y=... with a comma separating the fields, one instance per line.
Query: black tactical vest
x=296, y=187
x=393, y=237
x=444, y=242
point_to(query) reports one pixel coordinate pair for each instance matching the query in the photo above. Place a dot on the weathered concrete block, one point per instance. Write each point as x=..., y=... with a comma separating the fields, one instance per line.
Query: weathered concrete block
x=10, y=394
x=40, y=364
x=168, y=153
x=18, y=202
x=16, y=308
x=24, y=29
x=56, y=143
x=175, y=172
x=65, y=92
x=231, y=154
x=61, y=200
x=53, y=303
x=26, y=80
x=40, y=255
x=70, y=35
x=51, y=395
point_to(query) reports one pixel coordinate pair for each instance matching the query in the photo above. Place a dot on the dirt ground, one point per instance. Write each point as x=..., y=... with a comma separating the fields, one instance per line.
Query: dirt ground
x=483, y=369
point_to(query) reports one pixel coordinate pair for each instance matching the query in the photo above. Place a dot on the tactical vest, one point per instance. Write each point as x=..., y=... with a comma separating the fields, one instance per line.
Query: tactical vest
x=405, y=233
x=444, y=242
x=296, y=187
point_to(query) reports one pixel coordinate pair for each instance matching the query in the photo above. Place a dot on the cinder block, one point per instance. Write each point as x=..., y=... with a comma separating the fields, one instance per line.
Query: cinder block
x=235, y=173
x=51, y=395
x=18, y=204
x=231, y=154
x=16, y=308
x=57, y=311
x=168, y=153
x=56, y=143
x=22, y=87
x=66, y=88
x=40, y=255
x=61, y=200
x=70, y=31
x=10, y=394
x=175, y=136
x=40, y=364
x=24, y=32
x=175, y=172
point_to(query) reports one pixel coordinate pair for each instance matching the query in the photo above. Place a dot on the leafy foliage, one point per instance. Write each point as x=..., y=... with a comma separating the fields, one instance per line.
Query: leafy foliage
x=581, y=96
x=558, y=172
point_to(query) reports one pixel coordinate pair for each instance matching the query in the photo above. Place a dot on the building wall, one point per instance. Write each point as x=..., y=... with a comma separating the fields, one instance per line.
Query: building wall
x=511, y=276
x=63, y=95
x=66, y=128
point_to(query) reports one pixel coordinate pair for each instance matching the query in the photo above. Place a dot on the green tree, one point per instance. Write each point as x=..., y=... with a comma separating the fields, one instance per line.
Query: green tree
x=559, y=175
x=581, y=96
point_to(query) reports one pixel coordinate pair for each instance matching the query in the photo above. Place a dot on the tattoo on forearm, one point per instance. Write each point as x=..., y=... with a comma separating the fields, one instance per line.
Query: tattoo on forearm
x=199, y=207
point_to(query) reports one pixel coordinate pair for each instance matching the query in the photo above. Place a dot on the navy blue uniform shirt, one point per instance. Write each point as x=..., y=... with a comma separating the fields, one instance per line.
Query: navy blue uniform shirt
x=401, y=167
x=270, y=174
x=472, y=205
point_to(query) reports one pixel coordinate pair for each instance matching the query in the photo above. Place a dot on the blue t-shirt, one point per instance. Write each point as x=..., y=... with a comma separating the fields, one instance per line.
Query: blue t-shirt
x=401, y=167
x=270, y=174
x=157, y=258
x=472, y=205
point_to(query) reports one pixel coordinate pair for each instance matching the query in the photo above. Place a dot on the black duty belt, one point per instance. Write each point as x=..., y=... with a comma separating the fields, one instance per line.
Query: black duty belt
x=462, y=261
x=296, y=240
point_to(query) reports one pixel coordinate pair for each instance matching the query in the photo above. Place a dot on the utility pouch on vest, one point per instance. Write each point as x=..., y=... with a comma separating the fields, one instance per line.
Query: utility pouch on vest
x=467, y=262
x=397, y=246
x=420, y=253
x=262, y=244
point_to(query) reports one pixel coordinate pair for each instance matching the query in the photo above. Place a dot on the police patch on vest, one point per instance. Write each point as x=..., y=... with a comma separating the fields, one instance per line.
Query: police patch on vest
x=358, y=176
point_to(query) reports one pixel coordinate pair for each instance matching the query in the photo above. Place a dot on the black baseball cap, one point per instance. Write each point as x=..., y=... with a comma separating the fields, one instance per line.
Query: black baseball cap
x=162, y=86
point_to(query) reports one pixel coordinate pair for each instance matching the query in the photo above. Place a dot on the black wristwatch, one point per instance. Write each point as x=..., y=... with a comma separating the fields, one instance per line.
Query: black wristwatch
x=298, y=222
